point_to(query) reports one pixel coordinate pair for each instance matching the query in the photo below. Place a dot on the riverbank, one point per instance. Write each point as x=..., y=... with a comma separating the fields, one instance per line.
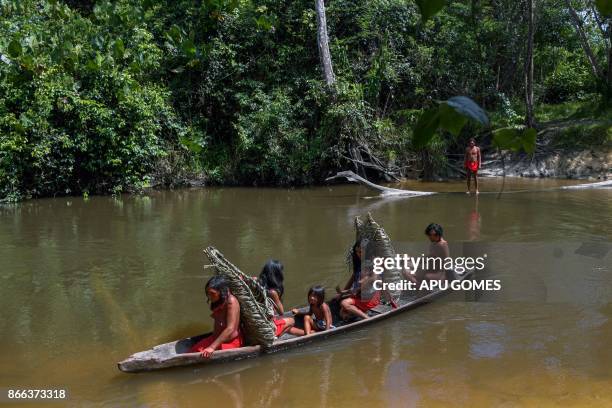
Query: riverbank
x=589, y=164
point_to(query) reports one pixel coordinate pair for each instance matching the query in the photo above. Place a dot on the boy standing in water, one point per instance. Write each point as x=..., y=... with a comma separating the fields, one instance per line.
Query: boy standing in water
x=472, y=163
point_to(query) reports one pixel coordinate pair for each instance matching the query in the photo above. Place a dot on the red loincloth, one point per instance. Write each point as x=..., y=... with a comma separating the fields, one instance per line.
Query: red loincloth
x=472, y=166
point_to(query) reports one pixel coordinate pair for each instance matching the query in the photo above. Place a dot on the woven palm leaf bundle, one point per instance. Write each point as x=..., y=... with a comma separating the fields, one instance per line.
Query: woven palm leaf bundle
x=376, y=243
x=256, y=309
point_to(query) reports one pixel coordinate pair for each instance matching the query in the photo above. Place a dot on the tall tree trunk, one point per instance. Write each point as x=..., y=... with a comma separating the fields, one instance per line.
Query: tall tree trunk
x=610, y=52
x=577, y=23
x=323, y=42
x=529, y=117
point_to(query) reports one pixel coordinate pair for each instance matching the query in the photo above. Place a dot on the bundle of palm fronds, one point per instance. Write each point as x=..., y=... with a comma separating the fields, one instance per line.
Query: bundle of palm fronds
x=376, y=243
x=256, y=309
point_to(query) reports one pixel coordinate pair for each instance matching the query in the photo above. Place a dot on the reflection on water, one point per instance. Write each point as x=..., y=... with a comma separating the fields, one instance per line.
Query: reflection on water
x=87, y=282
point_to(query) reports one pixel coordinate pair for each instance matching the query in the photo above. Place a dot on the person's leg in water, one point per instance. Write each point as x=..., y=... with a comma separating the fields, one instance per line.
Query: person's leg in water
x=476, y=182
x=468, y=176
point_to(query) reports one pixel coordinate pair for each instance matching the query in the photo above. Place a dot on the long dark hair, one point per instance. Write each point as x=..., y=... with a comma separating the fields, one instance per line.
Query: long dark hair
x=356, y=260
x=272, y=277
x=437, y=228
x=319, y=292
x=219, y=284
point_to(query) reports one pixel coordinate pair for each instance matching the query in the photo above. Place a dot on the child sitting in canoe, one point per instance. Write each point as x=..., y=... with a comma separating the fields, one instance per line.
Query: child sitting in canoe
x=319, y=317
x=226, y=314
x=359, y=294
x=272, y=278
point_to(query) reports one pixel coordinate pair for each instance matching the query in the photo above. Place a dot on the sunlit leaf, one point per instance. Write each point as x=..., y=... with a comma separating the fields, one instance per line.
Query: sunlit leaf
x=425, y=127
x=192, y=145
x=469, y=108
x=189, y=48
x=263, y=23
x=429, y=8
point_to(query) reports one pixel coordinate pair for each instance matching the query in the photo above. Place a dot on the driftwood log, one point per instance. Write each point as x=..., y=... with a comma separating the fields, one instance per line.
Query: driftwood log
x=350, y=176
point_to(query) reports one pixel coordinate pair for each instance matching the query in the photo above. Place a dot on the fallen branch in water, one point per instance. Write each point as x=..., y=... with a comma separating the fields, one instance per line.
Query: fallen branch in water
x=350, y=176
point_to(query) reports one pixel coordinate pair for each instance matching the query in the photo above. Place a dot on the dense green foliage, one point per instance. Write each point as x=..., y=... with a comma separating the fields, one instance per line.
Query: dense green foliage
x=100, y=96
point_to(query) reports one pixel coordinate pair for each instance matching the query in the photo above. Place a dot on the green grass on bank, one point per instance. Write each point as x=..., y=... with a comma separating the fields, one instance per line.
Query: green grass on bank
x=577, y=124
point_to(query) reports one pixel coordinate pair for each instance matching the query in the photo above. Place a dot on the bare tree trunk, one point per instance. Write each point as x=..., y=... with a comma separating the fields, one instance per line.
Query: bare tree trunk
x=609, y=52
x=323, y=42
x=584, y=41
x=529, y=117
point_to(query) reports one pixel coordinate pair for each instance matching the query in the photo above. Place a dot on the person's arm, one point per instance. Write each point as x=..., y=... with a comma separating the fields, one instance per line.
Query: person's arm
x=328, y=316
x=445, y=250
x=465, y=156
x=368, y=278
x=479, y=159
x=277, y=302
x=233, y=319
x=349, y=284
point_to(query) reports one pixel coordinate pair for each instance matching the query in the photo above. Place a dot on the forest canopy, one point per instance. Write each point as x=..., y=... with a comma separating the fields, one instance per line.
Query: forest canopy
x=105, y=97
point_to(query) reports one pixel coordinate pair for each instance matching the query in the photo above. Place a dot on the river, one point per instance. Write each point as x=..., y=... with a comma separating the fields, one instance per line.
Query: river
x=87, y=282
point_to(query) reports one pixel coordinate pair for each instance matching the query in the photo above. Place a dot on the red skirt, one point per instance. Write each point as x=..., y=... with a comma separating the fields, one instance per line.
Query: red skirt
x=365, y=305
x=280, y=325
x=472, y=166
x=199, y=347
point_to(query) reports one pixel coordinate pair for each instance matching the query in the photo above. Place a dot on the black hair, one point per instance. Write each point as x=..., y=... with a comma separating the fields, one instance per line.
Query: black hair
x=219, y=284
x=356, y=259
x=272, y=277
x=471, y=139
x=319, y=292
x=437, y=228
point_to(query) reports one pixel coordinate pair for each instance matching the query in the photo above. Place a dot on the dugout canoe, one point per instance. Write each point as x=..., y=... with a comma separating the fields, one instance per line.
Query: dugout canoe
x=175, y=353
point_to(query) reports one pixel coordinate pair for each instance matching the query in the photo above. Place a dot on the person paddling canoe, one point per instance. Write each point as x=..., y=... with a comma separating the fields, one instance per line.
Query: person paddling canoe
x=226, y=314
x=472, y=162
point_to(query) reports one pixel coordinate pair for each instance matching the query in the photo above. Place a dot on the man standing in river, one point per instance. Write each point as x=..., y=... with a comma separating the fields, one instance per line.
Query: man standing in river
x=472, y=163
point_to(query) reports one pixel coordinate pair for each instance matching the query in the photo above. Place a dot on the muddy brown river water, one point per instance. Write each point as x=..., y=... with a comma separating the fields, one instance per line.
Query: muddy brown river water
x=85, y=283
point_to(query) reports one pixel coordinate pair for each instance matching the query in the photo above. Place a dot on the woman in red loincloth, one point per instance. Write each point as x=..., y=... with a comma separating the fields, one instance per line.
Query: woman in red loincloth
x=226, y=314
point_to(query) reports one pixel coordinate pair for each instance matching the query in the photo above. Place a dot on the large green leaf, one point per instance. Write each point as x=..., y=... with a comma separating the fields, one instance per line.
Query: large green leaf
x=429, y=8
x=507, y=139
x=14, y=49
x=604, y=7
x=451, y=120
x=529, y=140
x=189, y=48
x=425, y=127
x=469, y=108
x=195, y=145
x=515, y=139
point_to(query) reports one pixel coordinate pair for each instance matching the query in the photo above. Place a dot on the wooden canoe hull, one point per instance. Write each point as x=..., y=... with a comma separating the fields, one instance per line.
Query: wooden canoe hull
x=175, y=353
